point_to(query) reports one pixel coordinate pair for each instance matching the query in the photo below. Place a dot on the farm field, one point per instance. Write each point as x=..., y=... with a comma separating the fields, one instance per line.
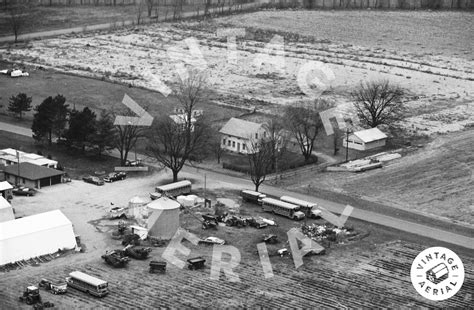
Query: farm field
x=372, y=270
x=440, y=87
x=436, y=180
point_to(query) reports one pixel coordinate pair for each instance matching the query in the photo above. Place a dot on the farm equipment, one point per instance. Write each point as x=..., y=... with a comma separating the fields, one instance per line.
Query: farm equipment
x=31, y=295
x=137, y=253
x=131, y=239
x=116, y=258
x=53, y=288
x=210, y=221
x=271, y=239
x=196, y=263
x=257, y=223
x=235, y=221
x=156, y=266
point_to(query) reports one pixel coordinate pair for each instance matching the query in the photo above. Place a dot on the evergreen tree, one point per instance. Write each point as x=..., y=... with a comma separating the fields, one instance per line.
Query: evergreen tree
x=19, y=104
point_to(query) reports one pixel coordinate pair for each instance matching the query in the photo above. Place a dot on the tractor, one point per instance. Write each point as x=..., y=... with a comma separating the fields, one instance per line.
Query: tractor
x=137, y=253
x=116, y=259
x=31, y=295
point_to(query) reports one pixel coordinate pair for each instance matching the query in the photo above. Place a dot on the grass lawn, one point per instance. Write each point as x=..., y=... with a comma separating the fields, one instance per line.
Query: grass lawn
x=289, y=160
x=83, y=92
x=75, y=163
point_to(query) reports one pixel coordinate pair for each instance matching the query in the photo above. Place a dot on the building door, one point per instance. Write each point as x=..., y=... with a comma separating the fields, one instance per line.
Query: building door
x=238, y=147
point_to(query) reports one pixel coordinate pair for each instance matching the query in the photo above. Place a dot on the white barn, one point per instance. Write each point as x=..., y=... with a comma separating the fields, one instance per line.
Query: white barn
x=35, y=235
x=237, y=135
x=365, y=139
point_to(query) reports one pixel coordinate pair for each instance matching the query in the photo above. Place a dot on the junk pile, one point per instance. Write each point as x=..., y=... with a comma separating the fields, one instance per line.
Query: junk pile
x=328, y=233
x=212, y=221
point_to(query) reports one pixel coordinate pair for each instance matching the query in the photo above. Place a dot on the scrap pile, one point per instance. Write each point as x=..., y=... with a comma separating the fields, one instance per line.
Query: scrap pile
x=326, y=232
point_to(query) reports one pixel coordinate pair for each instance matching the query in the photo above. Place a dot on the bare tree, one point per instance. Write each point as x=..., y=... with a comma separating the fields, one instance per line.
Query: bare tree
x=260, y=161
x=139, y=8
x=18, y=16
x=304, y=122
x=173, y=142
x=378, y=103
x=149, y=6
x=177, y=9
x=275, y=136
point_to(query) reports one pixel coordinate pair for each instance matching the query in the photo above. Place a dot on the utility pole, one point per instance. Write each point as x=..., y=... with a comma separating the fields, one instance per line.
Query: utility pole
x=18, y=165
x=347, y=144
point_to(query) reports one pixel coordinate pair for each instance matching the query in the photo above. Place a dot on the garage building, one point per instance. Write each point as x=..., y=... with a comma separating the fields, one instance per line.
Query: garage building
x=35, y=235
x=31, y=175
x=365, y=139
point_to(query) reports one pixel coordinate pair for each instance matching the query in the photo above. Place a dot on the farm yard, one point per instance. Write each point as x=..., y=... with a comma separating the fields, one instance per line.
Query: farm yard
x=337, y=279
x=427, y=53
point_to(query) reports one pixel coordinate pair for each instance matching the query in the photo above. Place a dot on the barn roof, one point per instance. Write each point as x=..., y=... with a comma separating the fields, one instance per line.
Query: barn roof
x=240, y=128
x=31, y=171
x=33, y=224
x=369, y=135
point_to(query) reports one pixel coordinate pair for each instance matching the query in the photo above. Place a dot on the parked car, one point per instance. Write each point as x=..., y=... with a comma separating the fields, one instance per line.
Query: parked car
x=24, y=191
x=117, y=212
x=93, y=180
x=48, y=285
x=115, y=176
x=134, y=163
x=212, y=240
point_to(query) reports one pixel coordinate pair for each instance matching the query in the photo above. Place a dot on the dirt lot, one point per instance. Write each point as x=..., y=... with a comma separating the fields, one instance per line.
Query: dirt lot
x=370, y=272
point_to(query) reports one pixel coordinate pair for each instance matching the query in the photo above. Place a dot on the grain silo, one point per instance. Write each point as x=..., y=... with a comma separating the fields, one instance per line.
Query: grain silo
x=163, y=218
x=137, y=208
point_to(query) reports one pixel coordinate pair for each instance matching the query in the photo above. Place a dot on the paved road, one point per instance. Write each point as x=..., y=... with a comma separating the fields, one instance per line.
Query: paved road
x=229, y=181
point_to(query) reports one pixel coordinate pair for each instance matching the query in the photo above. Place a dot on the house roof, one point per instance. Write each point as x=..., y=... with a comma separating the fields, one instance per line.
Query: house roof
x=5, y=185
x=240, y=128
x=33, y=224
x=31, y=171
x=369, y=135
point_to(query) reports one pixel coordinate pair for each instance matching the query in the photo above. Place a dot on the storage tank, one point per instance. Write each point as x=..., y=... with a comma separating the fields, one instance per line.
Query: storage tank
x=163, y=218
x=136, y=205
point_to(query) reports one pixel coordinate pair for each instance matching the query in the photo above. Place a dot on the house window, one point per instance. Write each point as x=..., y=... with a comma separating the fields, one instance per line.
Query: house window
x=264, y=134
x=223, y=141
x=233, y=143
x=228, y=142
x=256, y=135
x=243, y=146
x=23, y=180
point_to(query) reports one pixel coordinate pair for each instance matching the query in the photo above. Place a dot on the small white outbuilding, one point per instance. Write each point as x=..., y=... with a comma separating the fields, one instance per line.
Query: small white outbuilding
x=6, y=211
x=364, y=140
x=35, y=235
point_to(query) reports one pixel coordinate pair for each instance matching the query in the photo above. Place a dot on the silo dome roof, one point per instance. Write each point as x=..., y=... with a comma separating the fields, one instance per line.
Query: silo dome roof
x=164, y=203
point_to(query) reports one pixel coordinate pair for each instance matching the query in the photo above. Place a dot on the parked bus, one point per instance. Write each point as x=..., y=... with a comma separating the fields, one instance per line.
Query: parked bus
x=175, y=189
x=282, y=208
x=252, y=196
x=310, y=209
x=87, y=283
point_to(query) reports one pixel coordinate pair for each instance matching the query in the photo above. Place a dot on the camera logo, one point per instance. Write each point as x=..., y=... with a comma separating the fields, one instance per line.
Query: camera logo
x=437, y=273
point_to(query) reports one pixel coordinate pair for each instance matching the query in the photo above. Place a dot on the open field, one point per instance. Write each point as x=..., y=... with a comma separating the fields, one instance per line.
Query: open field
x=439, y=84
x=436, y=180
x=369, y=272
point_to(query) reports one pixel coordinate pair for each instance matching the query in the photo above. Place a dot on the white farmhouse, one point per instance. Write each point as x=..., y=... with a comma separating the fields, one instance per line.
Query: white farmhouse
x=238, y=135
x=365, y=139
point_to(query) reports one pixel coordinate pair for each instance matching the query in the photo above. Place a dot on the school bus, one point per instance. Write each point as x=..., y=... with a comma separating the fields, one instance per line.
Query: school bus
x=282, y=208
